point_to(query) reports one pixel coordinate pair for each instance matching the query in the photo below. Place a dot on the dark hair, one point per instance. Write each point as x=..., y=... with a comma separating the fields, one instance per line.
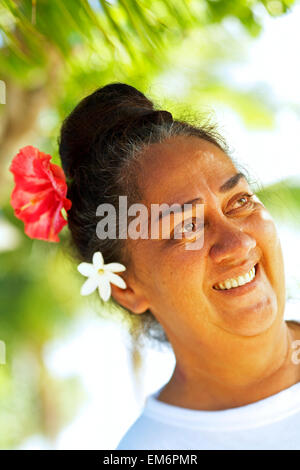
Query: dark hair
x=101, y=142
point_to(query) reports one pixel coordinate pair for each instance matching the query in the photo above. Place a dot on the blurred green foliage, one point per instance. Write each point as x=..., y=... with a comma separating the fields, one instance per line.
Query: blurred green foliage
x=52, y=53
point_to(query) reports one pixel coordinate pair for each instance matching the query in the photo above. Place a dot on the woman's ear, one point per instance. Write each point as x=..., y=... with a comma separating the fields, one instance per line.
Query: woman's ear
x=130, y=298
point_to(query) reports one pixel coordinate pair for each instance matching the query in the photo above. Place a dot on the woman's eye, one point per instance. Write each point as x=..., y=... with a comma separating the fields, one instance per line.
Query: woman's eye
x=191, y=227
x=188, y=227
x=243, y=201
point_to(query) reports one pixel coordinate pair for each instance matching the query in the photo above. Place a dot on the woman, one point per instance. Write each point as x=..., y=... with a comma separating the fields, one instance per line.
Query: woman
x=221, y=306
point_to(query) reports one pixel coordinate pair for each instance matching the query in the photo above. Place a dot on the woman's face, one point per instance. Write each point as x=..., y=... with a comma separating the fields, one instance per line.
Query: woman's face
x=177, y=282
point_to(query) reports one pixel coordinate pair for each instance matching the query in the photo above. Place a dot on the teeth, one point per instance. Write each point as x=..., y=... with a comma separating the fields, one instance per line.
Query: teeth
x=238, y=281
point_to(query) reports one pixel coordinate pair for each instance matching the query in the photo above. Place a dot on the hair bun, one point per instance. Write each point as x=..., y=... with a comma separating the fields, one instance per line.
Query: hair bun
x=122, y=94
x=104, y=115
x=156, y=117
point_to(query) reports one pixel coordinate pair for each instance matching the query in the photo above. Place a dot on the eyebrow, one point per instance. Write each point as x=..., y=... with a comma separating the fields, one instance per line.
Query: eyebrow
x=232, y=182
x=229, y=184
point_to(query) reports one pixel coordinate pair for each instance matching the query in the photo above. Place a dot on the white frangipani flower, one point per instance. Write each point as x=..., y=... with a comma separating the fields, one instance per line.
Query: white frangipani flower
x=100, y=275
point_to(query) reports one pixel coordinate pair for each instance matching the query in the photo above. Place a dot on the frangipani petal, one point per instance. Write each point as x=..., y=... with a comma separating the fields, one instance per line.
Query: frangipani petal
x=98, y=261
x=101, y=275
x=89, y=286
x=104, y=288
x=115, y=267
x=115, y=279
x=86, y=269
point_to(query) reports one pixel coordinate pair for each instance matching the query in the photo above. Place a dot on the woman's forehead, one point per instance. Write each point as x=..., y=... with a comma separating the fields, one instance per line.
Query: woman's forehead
x=173, y=168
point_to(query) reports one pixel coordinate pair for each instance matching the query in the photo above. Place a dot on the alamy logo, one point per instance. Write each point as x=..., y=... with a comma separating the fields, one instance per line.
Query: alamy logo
x=163, y=222
x=2, y=92
x=296, y=354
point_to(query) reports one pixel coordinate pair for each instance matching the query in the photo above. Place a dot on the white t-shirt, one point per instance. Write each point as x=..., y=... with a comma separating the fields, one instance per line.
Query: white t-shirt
x=270, y=423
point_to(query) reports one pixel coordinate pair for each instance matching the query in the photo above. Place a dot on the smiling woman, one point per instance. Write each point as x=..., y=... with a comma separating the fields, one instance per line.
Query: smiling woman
x=216, y=293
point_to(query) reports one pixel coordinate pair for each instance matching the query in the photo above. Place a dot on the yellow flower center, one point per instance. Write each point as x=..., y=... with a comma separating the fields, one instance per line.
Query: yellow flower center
x=100, y=271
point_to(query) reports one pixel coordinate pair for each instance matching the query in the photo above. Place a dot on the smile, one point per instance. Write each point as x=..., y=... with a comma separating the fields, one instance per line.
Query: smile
x=231, y=283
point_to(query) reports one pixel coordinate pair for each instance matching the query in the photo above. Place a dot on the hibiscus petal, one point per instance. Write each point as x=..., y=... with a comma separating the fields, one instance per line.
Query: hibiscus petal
x=39, y=193
x=29, y=208
x=39, y=229
x=86, y=269
x=57, y=178
x=115, y=279
x=104, y=288
x=115, y=267
x=47, y=226
x=22, y=163
x=98, y=261
x=89, y=286
x=57, y=223
x=67, y=204
x=31, y=184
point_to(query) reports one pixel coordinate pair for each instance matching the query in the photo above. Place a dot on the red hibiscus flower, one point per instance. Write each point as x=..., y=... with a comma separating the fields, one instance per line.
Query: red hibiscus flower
x=39, y=194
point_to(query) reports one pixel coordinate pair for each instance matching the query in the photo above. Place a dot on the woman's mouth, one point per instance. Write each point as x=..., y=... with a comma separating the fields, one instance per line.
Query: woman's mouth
x=233, y=283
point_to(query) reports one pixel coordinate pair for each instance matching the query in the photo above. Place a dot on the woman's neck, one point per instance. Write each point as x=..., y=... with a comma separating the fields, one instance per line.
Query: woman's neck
x=233, y=376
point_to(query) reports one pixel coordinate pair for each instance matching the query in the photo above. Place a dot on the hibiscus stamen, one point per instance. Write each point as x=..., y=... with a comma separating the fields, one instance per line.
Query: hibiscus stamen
x=27, y=205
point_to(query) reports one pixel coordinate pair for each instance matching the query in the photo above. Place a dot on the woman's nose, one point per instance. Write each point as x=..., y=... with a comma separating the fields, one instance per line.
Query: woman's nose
x=232, y=245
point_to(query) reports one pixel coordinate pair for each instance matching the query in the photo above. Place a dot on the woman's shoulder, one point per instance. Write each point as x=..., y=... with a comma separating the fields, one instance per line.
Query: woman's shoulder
x=143, y=434
x=154, y=427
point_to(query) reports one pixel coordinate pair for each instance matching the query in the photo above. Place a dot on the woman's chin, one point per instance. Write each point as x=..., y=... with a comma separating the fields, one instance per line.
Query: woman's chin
x=253, y=319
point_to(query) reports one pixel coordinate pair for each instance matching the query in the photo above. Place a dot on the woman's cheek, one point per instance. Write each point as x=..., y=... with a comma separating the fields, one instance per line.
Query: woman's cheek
x=263, y=226
x=265, y=232
x=265, y=220
x=177, y=273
